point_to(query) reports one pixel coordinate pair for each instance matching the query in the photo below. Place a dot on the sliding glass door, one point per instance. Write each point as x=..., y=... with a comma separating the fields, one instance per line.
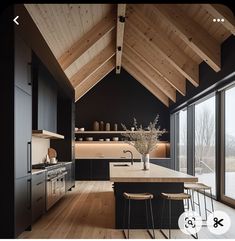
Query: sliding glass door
x=229, y=124
x=205, y=155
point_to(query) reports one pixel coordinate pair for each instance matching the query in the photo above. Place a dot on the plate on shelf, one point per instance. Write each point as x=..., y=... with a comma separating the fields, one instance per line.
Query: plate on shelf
x=107, y=139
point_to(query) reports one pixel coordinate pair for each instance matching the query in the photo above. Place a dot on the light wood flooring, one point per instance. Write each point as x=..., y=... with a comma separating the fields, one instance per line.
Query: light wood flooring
x=88, y=212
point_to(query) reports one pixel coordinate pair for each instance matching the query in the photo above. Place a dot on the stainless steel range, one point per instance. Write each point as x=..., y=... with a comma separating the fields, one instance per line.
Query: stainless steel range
x=55, y=185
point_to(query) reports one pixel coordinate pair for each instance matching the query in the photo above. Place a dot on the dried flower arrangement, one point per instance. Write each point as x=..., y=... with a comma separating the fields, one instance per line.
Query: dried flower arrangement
x=144, y=139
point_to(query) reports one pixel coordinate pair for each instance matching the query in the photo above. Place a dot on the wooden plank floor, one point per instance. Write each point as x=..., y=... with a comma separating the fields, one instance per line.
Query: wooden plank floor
x=88, y=212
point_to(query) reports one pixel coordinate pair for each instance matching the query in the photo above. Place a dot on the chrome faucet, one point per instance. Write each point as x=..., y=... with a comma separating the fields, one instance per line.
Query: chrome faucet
x=125, y=151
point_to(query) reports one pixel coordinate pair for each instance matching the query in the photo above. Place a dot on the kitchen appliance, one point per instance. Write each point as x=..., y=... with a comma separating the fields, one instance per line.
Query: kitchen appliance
x=55, y=181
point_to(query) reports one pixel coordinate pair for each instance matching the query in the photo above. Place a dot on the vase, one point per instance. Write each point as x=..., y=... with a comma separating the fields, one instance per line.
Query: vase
x=145, y=161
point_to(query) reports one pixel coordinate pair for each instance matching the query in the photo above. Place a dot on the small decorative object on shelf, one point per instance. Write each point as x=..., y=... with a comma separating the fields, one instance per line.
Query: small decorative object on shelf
x=115, y=127
x=96, y=126
x=107, y=127
x=132, y=128
x=101, y=126
x=144, y=139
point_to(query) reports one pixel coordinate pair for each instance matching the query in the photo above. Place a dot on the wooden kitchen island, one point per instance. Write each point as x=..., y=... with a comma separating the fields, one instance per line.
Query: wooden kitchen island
x=156, y=180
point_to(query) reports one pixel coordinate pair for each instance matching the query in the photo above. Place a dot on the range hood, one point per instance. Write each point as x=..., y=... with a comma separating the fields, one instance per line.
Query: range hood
x=46, y=134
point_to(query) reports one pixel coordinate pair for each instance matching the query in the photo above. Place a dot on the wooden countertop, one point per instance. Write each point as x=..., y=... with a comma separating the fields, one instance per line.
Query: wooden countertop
x=35, y=171
x=156, y=173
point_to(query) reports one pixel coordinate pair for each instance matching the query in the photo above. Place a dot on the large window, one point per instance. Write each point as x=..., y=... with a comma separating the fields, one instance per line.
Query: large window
x=230, y=143
x=182, y=144
x=205, y=156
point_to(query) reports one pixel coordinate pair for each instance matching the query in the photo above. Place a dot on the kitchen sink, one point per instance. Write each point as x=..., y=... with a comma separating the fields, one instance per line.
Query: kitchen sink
x=121, y=165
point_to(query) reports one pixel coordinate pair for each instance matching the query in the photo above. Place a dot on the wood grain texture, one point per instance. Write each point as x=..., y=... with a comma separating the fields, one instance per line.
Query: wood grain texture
x=191, y=33
x=121, y=11
x=106, y=25
x=139, y=76
x=160, y=41
x=88, y=69
x=148, y=71
x=160, y=64
x=88, y=211
x=134, y=173
x=94, y=78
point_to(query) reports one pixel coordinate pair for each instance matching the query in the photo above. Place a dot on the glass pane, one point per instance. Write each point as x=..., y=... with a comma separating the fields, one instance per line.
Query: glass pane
x=205, y=142
x=229, y=143
x=182, y=141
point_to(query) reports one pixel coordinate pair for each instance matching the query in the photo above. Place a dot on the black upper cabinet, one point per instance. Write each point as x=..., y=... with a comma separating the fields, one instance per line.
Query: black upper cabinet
x=22, y=65
x=44, y=98
x=23, y=133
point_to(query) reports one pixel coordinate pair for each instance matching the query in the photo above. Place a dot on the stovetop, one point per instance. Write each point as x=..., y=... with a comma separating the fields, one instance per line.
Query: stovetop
x=46, y=166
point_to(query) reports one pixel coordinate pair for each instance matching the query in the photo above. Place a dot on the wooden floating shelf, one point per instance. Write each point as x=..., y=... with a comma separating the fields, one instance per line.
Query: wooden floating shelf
x=110, y=142
x=106, y=132
x=46, y=134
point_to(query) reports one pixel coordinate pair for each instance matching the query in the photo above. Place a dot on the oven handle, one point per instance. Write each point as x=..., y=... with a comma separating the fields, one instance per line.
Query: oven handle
x=62, y=175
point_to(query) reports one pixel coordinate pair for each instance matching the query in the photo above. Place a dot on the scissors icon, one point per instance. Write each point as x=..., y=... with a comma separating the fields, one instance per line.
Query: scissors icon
x=218, y=222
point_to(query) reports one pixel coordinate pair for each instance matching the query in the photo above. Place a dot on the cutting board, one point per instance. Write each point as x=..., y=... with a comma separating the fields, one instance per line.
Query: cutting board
x=52, y=153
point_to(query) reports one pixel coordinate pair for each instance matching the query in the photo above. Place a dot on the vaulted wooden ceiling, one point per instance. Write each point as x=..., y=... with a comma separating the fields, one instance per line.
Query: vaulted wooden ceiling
x=160, y=45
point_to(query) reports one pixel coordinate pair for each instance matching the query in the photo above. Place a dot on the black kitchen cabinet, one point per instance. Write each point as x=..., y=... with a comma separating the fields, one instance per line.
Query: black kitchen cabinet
x=23, y=132
x=94, y=169
x=38, y=195
x=44, y=98
x=23, y=203
x=83, y=169
x=100, y=169
x=23, y=65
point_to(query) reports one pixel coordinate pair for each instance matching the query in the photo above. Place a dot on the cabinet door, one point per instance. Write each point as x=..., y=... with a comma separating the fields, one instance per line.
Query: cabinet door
x=100, y=169
x=23, y=133
x=22, y=204
x=83, y=169
x=68, y=177
x=47, y=101
x=23, y=65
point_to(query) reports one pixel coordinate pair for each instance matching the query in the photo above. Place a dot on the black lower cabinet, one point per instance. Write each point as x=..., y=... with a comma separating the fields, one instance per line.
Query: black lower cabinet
x=100, y=169
x=94, y=169
x=83, y=169
x=38, y=195
x=23, y=204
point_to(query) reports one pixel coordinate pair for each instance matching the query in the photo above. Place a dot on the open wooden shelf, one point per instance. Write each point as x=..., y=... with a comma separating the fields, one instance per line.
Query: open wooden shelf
x=46, y=134
x=105, y=132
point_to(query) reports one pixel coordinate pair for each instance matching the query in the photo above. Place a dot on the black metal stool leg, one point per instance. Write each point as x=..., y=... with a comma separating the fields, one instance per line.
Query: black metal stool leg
x=169, y=219
x=163, y=207
x=129, y=217
x=151, y=212
x=196, y=236
x=124, y=218
x=146, y=213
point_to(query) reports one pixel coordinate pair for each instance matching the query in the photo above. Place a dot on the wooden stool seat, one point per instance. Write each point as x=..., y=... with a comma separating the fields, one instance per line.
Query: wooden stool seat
x=175, y=196
x=138, y=196
x=196, y=186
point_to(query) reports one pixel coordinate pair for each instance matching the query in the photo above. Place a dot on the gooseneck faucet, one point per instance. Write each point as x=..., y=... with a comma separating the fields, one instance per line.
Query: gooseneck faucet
x=125, y=151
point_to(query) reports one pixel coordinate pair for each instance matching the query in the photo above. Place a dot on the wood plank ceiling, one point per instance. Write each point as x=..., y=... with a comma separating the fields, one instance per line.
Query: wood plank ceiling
x=160, y=45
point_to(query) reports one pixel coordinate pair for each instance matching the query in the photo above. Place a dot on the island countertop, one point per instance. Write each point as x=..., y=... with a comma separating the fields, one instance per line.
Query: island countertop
x=156, y=173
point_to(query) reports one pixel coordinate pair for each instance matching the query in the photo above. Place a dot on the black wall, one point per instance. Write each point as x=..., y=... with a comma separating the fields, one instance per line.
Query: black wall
x=209, y=79
x=118, y=99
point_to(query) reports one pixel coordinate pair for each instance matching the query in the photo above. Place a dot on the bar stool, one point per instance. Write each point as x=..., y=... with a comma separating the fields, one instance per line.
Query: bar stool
x=138, y=197
x=199, y=187
x=173, y=197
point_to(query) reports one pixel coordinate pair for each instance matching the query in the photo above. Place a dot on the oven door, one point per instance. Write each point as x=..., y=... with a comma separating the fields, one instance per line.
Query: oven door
x=52, y=192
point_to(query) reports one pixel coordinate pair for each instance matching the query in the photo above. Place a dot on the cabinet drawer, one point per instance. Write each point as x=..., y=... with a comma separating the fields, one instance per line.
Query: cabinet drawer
x=37, y=178
x=38, y=208
x=38, y=190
